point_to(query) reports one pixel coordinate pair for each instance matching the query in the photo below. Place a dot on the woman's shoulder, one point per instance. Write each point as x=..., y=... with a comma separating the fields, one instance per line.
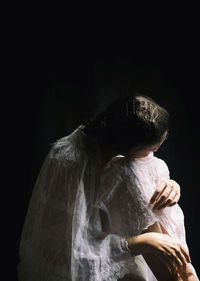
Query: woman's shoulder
x=117, y=162
x=150, y=160
x=160, y=162
x=118, y=166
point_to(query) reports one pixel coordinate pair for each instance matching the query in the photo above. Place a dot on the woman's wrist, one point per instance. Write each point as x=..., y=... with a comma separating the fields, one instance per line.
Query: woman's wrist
x=138, y=244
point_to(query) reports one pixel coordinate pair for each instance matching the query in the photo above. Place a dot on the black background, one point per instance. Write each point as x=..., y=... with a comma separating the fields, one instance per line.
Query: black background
x=55, y=87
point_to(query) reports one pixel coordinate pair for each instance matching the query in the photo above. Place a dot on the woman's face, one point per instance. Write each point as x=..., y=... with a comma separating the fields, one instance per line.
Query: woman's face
x=143, y=151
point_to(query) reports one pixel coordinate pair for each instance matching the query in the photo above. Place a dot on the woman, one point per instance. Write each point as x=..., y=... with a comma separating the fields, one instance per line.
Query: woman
x=126, y=195
x=63, y=238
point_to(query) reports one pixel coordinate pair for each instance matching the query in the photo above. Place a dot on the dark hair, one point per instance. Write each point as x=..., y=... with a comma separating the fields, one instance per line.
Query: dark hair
x=130, y=122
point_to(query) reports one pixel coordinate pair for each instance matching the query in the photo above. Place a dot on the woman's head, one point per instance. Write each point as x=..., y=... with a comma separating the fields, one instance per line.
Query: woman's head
x=131, y=122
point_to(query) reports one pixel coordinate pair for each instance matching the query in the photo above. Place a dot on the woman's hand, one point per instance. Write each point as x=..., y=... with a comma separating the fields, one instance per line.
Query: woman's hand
x=162, y=246
x=166, y=194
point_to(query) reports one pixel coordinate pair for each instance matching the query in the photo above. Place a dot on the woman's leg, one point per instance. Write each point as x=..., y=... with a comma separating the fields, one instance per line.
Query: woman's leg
x=158, y=267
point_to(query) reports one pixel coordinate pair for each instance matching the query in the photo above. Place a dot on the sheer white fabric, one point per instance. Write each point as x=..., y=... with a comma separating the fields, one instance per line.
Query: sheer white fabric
x=62, y=239
x=124, y=195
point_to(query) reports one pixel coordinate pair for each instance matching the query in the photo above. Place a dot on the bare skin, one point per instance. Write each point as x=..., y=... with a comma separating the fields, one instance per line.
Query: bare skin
x=160, y=269
x=161, y=251
x=160, y=247
x=157, y=247
x=167, y=192
x=167, y=259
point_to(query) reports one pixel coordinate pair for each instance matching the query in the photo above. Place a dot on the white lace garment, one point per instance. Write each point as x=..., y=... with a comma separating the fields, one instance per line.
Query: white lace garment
x=124, y=195
x=62, y=239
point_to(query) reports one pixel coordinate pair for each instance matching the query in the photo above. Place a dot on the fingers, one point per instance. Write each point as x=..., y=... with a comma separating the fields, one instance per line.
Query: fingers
x=186, y=254
x=168, y=260
x=180, y=256
x=176, y=259
x=169, y=201
x=174, y=201
x=172, y=253
x=172, y=262
x=181, y=259
x=166, y=194
x=158, y=192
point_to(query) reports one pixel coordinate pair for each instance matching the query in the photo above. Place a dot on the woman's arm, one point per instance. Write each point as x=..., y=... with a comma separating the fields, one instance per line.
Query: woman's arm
x=160, y=269
x=157, y=248
x=185, y=271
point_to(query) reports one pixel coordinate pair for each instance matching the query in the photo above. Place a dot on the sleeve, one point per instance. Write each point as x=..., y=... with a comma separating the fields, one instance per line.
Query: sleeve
x=122, y=200
x=45, y=244
x=162, y=169
x=172, y=218
x=95, y=255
